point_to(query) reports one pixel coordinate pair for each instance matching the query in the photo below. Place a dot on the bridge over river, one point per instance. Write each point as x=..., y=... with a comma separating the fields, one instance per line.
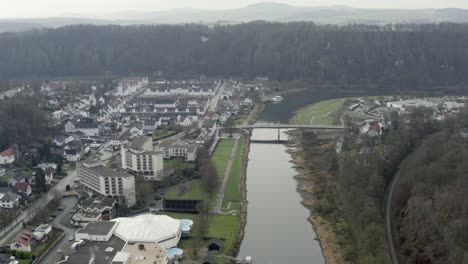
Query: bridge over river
x=277, y=133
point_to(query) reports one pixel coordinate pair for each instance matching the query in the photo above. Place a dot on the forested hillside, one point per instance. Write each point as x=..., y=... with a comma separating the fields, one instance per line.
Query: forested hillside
x=432, y=200
x=403, y=56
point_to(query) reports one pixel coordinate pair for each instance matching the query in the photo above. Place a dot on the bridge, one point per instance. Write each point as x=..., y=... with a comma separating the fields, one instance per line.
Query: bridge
x=290, y=126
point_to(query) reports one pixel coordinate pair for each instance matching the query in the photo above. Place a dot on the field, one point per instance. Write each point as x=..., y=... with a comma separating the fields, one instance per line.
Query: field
x=232, y=193
x=221, y=226
x=193, y=190
x=322, y=113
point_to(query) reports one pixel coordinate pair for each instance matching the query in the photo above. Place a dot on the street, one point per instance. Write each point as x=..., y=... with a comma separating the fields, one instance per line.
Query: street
x=62, y=221
x=38, y=205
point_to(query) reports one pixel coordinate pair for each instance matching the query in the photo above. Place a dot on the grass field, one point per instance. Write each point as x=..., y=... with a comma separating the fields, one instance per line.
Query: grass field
x=220, y=159
x=232, y=193
x=320, y=113
x=194, y=191
x=221, y=226
x=221, y=155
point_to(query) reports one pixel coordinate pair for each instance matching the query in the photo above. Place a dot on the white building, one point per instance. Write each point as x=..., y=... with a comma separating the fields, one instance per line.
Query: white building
x=88, y=128
x=7, y=156
x=149, y=228
x=105, y=181
x=8, y=200
x=179, y=148
x=140, y=159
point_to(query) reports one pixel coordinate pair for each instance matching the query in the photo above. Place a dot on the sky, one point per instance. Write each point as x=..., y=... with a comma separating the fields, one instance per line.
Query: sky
x=48, y=8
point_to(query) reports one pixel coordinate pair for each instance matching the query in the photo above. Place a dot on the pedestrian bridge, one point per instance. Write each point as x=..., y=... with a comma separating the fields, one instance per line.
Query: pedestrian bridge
x=290, y=126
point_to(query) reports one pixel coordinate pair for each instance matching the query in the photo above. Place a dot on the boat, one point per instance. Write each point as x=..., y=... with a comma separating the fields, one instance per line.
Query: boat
x=277, y=98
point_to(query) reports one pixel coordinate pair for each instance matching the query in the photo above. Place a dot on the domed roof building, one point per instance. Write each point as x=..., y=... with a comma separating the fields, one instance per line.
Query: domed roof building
x=149, y=228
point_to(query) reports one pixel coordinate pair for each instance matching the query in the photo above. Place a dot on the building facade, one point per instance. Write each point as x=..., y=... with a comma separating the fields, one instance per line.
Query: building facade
x=105, y=181
x=140, y=159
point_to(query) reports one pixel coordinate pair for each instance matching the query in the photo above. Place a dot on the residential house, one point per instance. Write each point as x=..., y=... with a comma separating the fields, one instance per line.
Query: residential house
x=42, y=231
x=21, y=176
x=8, y=199
x=70, y=127
x=59, y=141
x=23, y=189
x=150, y=125
x=186, y=121
x=75, y=151
x=23, y=241
x=44, y=166
x=2, y=171
x=7, y=156
x=49, y=174
x=8, y=259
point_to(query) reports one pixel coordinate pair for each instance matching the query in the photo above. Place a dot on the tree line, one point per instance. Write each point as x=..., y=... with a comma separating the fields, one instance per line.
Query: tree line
x=404, y=56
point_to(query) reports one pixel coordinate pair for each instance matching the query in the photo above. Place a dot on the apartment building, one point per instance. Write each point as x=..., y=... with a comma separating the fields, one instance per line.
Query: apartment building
x=105, y=181
x=139, y=158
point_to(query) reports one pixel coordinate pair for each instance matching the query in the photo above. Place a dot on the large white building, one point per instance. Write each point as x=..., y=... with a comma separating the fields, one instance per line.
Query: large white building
x=143, y=239
x=149, y=228
x=141, y=159
x=105, y=181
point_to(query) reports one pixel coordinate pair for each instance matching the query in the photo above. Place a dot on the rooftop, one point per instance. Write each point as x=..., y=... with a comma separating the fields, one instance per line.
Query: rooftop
x=99, y=203
x=98, y=228
x=103, y=170
x=146, y=253
x=139, y=142
x=96, y=252
x=147, y=228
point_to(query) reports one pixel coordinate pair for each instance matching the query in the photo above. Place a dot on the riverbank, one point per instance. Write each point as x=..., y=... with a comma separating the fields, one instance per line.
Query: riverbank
x=314, y=161
x=243, y=195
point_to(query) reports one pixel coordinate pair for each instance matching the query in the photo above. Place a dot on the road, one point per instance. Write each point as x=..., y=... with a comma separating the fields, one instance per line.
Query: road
x=215, y=99
x=40, y=204
x=62, y=221
x=227, y=173
x=388, y=219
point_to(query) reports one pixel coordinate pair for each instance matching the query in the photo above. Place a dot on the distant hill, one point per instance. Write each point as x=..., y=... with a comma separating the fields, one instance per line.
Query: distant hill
x=273, y=12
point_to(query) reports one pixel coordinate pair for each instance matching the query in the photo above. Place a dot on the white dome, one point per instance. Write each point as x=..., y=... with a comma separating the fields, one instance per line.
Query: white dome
x=149, y=228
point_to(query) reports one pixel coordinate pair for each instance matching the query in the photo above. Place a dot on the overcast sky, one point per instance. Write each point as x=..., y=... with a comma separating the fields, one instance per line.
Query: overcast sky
x=45, y=8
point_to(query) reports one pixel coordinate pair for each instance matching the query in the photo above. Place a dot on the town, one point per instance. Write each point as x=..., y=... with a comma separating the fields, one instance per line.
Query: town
x=116, y=166
x=127, y=167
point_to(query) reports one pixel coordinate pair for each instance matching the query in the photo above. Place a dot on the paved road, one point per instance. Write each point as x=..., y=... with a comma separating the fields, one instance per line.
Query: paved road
x=40, y=204
x=227, y=173
x=215, y=99
x=388, y=219
x=62, y=221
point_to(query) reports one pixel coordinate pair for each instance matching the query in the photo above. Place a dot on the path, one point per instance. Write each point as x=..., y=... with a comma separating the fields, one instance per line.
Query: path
x=227, y=173
x=388, y=219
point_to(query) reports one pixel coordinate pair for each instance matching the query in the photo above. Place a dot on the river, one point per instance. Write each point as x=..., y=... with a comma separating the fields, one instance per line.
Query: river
x=277, y=229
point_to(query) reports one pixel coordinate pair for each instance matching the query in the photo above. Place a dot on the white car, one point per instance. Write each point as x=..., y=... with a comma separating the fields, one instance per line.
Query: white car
x=71, y=238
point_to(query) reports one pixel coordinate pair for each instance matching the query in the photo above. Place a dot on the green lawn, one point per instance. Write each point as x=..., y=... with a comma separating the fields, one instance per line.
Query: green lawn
x=163, y=133
x=6, y=177
x=221, y=226
x=194, y=191
x=320, y=113
x=233, y=187
x=221, y=155
x=220, y=159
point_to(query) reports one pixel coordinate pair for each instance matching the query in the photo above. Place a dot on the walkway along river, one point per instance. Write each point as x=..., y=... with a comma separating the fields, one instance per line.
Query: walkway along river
x=277, y=229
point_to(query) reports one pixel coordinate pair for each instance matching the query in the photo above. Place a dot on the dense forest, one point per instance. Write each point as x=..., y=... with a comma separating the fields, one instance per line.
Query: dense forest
x=403, y=56
x=21, y=122
x=432, y=199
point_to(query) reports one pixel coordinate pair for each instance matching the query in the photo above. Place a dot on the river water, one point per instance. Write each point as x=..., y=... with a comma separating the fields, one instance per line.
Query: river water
x=277, y=230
